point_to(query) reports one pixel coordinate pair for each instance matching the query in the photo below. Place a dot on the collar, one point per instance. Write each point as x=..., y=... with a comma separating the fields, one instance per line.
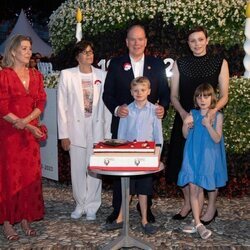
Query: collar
x=140, y=61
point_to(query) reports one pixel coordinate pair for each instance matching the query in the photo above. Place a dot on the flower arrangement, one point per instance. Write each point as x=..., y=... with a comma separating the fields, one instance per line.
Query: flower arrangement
x=51, y=80
x=224, y=19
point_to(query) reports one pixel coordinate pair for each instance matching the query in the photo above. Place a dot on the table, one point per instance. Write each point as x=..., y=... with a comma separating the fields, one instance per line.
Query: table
x=125, y=240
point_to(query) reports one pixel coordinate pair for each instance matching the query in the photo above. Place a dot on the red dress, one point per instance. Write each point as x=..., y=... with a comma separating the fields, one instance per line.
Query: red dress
x=20, y=163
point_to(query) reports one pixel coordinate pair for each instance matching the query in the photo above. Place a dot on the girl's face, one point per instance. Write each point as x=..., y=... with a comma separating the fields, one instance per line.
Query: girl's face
x=86, y=57
x=23, y=53
x=198, y=42
x=204, y=101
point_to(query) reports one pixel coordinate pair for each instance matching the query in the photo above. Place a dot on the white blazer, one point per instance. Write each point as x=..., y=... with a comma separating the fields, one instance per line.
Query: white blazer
x=71, y=107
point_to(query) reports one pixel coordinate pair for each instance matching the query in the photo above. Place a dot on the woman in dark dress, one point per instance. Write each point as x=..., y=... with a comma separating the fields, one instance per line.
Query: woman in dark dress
x=188, y=73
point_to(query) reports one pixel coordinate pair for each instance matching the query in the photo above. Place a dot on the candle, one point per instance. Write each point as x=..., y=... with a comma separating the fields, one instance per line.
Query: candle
x=248, y=10
x=78, y=25
x=78, y=15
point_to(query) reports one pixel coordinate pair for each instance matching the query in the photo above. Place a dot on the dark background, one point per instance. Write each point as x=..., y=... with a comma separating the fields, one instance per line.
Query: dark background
x=37, y=12
x=42, y=8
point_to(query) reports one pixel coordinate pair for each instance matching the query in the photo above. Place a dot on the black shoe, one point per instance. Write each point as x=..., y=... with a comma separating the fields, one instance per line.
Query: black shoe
x=208, y=222
x=113, y=226
x=111, y=218
x=149, y=229
x=180, y=217
x=150, y=216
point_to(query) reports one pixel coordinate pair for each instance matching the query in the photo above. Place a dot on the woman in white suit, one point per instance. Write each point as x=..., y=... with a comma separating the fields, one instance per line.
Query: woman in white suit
x=83, y=120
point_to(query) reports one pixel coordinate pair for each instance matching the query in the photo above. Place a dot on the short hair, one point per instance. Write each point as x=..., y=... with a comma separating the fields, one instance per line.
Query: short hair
x=12, y=44
x=140, y=80
x=197, y=29
x=81, y=46
x=136, y=26
x=205, y=89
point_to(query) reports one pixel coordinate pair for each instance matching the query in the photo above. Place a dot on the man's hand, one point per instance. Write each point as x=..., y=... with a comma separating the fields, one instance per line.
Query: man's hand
x=159, y=111
x=122, y=111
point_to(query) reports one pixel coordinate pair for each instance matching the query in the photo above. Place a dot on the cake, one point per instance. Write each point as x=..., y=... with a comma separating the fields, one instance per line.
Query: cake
x=130, y=156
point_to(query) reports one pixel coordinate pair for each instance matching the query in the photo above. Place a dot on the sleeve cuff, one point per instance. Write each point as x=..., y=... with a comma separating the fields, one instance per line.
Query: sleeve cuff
x=116, y=111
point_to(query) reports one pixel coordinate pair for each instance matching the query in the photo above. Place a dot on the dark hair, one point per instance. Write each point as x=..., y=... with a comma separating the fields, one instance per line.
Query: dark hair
x=81, y=46
x=197, y=29
x=205, y=89
x=136, y=26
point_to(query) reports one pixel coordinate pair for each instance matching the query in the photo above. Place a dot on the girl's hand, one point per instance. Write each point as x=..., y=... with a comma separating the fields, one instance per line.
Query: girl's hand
x=189, y=121
x=206, y=121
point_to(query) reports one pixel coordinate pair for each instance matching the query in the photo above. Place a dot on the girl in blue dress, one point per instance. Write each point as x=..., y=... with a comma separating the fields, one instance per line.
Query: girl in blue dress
x=204, y=160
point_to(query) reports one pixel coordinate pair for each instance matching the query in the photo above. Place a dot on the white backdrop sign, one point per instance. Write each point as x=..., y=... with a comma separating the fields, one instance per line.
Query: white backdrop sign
x=49, y=150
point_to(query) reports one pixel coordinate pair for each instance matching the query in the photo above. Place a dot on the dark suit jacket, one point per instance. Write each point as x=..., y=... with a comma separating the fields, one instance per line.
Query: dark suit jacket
x=117, y=85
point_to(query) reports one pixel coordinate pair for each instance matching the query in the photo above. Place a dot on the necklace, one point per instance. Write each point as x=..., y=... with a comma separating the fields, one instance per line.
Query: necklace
x=24, y=82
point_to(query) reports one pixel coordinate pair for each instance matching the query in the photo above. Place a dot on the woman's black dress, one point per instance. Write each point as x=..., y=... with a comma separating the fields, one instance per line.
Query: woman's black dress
x=193, y=72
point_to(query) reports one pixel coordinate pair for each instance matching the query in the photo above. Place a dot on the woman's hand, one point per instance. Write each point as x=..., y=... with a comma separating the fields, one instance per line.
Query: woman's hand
x=211, y=113
x=206, y=121
x=184, y=114
x=19, y=123
x=35, y=131
x=189, y=121
x=65, y=144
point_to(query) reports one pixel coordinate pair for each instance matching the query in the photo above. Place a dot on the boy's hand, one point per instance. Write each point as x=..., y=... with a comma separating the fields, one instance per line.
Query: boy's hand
x=122, y=111
x=159, y=111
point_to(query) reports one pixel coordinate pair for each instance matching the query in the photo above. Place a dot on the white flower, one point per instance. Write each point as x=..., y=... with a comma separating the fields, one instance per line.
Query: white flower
x=224, y=19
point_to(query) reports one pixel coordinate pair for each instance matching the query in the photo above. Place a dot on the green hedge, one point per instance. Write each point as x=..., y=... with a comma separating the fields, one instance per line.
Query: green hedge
x=236, y=117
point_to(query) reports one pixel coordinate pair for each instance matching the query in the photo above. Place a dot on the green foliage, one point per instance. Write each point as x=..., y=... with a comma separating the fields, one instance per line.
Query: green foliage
x=236, y=127
x=236, y=116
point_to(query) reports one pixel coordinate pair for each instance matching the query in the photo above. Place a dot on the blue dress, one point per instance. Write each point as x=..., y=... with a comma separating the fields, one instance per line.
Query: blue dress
x=204, y=161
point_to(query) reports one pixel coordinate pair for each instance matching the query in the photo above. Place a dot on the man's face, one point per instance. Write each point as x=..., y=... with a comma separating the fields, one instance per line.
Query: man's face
x=136, y=42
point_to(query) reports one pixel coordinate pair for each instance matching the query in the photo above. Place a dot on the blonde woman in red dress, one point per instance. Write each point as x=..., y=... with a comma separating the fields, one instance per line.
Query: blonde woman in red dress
x=22, y=99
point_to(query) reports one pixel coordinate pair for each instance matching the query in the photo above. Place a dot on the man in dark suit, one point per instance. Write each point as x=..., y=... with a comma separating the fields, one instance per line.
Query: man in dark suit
x=122, y=70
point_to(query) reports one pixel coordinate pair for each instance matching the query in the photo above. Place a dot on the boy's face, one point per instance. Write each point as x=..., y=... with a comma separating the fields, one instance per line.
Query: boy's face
x=140, y=92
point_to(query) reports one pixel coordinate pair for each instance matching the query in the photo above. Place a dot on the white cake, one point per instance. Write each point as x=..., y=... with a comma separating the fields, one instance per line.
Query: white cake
x=122, y=161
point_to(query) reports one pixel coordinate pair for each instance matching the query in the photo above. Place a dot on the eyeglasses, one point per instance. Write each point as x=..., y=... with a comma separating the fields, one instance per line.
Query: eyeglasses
x=206, y=96
x=87, y=52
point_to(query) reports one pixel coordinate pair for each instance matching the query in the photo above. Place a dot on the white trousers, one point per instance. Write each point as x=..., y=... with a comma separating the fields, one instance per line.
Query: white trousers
x=86, y=188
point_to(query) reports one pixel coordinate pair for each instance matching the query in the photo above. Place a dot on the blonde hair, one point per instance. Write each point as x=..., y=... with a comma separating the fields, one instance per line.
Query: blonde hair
x=140, y=80
x=12, y=45
x=205, y=89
